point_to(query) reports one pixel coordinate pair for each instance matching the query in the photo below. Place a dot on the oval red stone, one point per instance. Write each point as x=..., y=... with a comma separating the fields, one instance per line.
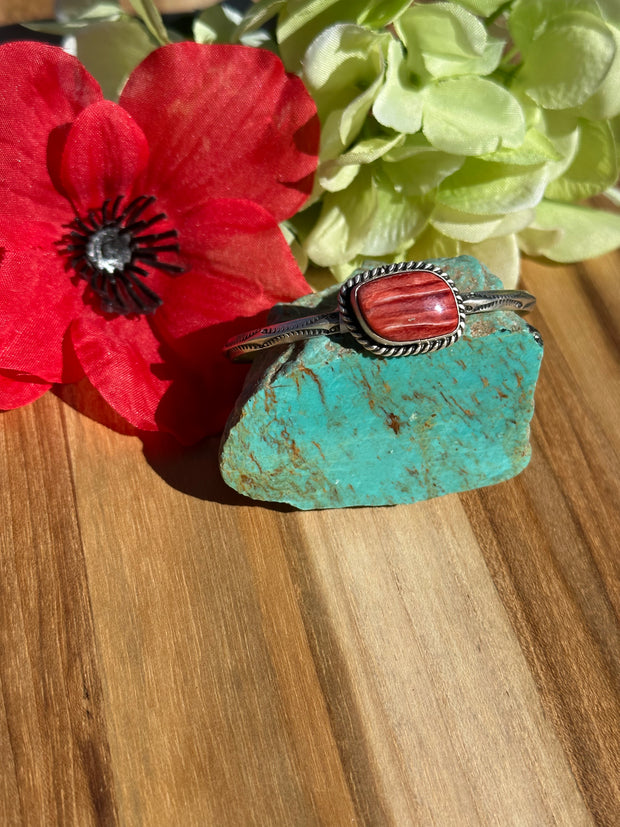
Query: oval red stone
x=408, y=307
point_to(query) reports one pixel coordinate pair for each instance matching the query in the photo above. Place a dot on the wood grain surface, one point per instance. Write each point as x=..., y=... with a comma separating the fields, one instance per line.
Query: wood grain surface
x=17, y=11
x=172, y=654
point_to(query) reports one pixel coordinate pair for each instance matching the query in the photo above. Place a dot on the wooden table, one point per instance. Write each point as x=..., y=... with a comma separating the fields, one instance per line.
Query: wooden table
x=172, y=654
x=17, y=11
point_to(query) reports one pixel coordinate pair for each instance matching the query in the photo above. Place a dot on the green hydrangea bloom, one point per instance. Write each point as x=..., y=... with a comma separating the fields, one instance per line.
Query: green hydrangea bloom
x=463, y=134
x=473, y=126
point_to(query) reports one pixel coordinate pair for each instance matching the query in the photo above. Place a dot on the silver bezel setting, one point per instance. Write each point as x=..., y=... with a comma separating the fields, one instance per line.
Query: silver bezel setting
x=353, y=322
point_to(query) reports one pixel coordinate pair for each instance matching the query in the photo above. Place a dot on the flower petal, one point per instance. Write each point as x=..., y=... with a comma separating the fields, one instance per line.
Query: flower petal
x=594, y=167
x=449, y=40
x=238, y=266
x=224, y=121
x=343, y=69
x=584, y=232
x=470, y=115
x=39, y=301
x=105, y=152
x=141, y=378
x=42, y=90
x=218, y=381
x=486, y=188
x=82, y=397
x=500, y=255
x=17, y=390
x=416, y=167
x=399, y=104
x=344, y=222
x=567, y=63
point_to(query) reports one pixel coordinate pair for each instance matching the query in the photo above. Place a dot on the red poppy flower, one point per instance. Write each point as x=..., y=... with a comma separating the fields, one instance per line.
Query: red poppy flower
x=136, y=237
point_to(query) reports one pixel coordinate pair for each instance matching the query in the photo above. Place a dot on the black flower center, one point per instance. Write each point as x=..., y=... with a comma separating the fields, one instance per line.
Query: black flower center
x=111, y=249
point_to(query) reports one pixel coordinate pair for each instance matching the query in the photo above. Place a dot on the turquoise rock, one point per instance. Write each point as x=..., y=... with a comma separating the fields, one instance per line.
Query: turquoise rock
x=323, y=424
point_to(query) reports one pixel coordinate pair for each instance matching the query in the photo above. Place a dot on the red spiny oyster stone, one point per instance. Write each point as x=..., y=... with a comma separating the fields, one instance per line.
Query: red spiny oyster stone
x=408, y=307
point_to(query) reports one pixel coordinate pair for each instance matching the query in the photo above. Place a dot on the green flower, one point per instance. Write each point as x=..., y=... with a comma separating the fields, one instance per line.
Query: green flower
x=477, y=126
x=440, y=138
x=344, y=70
x=569, y=54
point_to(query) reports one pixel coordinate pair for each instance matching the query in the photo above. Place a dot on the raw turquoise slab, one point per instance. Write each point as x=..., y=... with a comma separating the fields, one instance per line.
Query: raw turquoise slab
x=322, y=424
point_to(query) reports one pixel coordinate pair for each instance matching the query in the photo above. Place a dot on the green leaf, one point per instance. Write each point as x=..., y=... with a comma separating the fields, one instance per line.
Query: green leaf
x=257, y=15
x=586, y=232
x=104, y=10
x=567, y=63
x=111, y=50
x=146, y=11
x=53, y=27
x=450, y=40
x=398, y=105
x=471, y=116
x=477, y=228
x=482, y=188
x=213, y=25
x=223, y=24
x=594, y=167
x=66, y=25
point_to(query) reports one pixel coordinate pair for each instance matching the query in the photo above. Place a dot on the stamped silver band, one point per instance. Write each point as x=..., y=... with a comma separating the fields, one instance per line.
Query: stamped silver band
x=390, y=310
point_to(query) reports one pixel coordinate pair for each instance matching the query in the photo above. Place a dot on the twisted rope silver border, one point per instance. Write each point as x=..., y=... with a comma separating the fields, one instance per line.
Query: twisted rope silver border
x=381, y=348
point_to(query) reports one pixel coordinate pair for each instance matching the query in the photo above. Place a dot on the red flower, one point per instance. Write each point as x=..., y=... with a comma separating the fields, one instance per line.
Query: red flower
x=133, y=235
